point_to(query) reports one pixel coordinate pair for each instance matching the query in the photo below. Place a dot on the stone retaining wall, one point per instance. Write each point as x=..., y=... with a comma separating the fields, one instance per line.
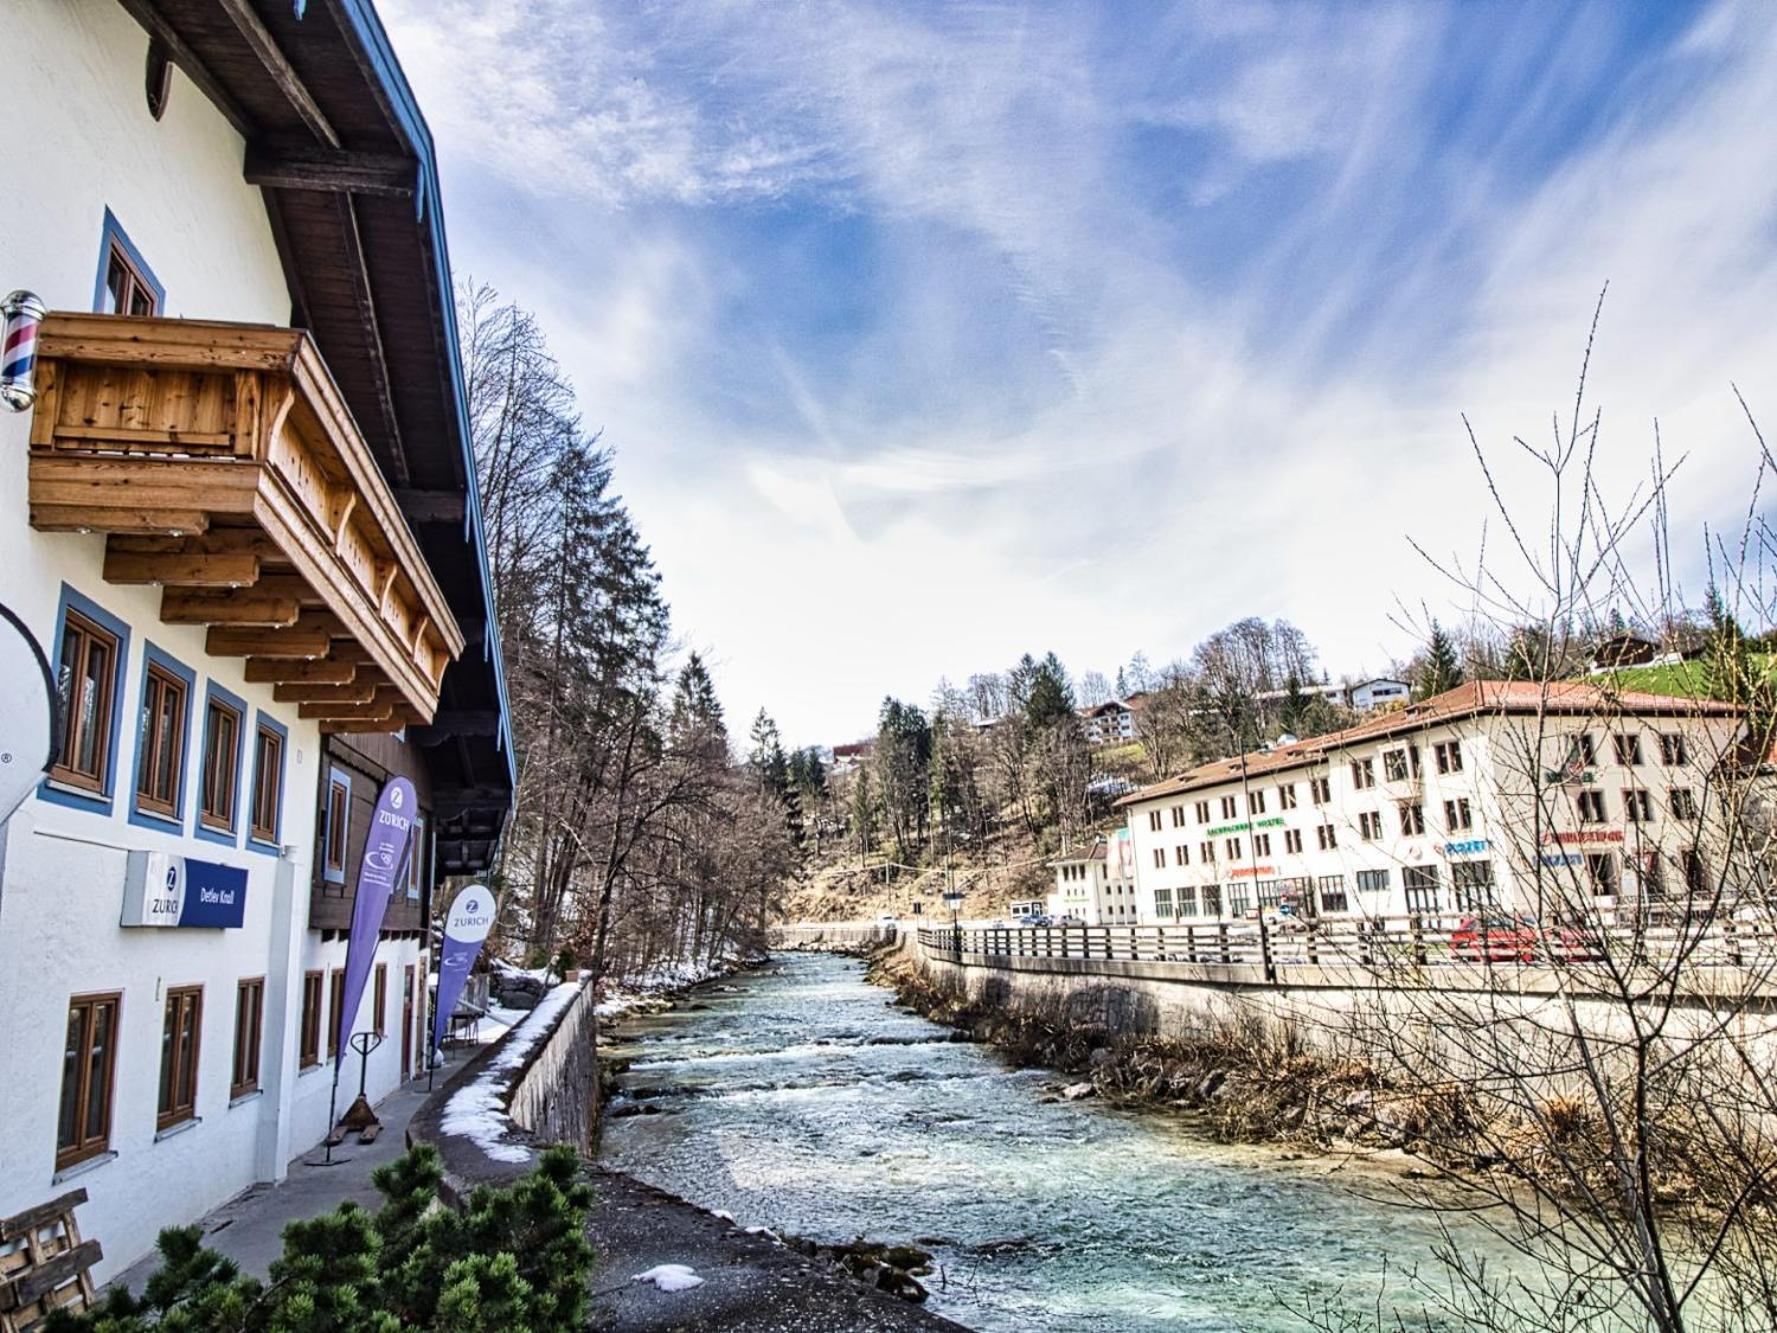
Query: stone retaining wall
x=535, y=1086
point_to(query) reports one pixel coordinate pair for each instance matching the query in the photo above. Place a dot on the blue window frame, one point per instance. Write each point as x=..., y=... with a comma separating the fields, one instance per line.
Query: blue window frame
x=125, y=284
x=271, y=748
x=336, y=825
x=223, y=737
x=176, y=761
x=109, y=727
x=416, y=860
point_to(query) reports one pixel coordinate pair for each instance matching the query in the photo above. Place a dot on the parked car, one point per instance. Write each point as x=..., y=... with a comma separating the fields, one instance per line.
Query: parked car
x=1496, y=939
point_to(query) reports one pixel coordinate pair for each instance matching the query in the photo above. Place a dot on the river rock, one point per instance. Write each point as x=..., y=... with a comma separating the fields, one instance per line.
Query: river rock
x=1100, y=1057
x=1074, y=1092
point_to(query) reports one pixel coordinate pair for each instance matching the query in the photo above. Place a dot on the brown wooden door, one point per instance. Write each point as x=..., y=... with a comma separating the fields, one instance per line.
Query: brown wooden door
x=407, y=1023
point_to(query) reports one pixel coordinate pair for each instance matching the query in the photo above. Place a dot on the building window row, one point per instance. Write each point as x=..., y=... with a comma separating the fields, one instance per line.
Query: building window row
x=92, y=650
x=89, y=1063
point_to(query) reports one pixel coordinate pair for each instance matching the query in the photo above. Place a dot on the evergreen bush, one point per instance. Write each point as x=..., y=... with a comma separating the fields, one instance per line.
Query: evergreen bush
x=514, y=1258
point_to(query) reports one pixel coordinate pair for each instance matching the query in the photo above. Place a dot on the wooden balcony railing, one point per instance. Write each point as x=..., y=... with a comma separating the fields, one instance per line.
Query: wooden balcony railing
x=225, y=466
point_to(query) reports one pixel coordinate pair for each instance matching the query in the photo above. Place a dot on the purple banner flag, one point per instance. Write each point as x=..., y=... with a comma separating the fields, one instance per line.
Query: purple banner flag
x=385, y=861
x=471, y=917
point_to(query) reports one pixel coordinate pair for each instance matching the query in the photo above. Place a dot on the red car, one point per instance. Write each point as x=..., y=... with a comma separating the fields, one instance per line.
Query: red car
x=1518, y=939
x=1496, y=939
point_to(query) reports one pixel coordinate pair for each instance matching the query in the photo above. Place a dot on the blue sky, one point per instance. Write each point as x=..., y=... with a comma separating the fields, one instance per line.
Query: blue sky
x=930, y=334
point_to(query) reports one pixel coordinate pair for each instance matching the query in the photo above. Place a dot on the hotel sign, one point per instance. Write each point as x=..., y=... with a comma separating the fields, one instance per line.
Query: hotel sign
x=1585, y=835
x=1473, y=847
x=163, y=890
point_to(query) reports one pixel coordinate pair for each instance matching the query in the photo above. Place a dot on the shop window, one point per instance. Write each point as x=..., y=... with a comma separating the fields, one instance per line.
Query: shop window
x=181, y=1027
x=89, y=1065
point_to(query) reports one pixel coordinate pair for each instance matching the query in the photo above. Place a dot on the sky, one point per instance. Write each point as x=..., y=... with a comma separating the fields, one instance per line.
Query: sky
x=930, y=334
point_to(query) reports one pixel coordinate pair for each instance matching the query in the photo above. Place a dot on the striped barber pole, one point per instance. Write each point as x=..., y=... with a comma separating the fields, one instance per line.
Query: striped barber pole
x=22, y=312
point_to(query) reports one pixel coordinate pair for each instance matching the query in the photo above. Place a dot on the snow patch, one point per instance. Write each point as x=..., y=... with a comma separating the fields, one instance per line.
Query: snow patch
x=670, y=1277
x=477, y=1112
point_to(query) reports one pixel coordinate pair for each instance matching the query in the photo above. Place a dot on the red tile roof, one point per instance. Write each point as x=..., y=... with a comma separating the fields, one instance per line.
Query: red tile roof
x=1566, y=698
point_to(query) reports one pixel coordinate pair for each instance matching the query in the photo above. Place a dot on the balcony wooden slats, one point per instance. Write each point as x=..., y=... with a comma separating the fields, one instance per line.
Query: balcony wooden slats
x=223, y=463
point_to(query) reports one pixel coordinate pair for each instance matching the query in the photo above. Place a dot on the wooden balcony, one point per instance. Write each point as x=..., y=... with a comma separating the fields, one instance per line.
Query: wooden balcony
x=225, y=466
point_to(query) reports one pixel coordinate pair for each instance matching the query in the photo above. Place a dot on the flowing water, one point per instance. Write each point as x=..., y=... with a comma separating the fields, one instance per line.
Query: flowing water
x=799, y=1099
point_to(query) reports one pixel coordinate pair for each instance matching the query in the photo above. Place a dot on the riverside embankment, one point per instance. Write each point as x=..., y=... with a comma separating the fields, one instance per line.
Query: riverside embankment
x=803, y=1099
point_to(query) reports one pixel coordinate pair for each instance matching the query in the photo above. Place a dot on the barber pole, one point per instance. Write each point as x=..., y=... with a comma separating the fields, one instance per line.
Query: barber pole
x=22, y=312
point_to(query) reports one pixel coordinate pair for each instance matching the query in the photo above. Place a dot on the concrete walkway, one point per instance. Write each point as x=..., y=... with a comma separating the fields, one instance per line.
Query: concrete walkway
x=249, y=1228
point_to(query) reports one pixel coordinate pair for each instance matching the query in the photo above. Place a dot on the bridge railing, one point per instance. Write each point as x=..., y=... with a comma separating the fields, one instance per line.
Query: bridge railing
x=1375, y=943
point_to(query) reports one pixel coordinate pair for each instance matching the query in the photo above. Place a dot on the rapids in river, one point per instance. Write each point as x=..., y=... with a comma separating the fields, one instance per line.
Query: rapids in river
x=798, y=1098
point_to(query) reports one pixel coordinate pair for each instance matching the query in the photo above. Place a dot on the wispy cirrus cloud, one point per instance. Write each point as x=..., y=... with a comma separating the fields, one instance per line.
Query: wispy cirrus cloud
x=932, y=332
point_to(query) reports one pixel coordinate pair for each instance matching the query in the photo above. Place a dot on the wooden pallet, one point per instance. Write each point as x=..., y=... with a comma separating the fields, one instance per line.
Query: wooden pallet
x=44, y=1265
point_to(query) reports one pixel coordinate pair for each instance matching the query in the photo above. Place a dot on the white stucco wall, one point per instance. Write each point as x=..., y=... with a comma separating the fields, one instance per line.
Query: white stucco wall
x=80, y=141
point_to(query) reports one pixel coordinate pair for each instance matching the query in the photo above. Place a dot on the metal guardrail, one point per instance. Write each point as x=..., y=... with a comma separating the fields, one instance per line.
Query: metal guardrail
x=1374, y=943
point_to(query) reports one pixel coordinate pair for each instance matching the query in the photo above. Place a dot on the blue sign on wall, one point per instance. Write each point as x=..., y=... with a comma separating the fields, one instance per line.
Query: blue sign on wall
x=170, y=891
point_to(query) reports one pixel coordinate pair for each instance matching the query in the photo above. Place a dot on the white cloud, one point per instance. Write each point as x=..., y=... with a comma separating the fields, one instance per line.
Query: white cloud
x=1061, y=428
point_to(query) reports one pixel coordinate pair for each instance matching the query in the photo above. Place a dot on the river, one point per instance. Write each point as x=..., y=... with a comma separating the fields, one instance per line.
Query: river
x=799, y=1099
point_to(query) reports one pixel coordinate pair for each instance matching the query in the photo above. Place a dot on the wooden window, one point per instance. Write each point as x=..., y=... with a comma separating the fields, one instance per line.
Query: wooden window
x=268, y=783
x=1448, y=755
x=1153, y=821
x=1181, y=855
x=1638, y=805
x=1394, y=765
x=1203, y=812
x=1159, y=858
x=1369, y=825
x=89, y=1063
x=336, y=825
x=1460, y=815
x=1321, y=790
x=1286, y=796
x=1628, y=750
x=180, y=1031
x=1206, y=852
x=1178, y=816
x=1233, y=845
x=1588, y=749
x=1684, y=803
x=222, y=731
x=1292, y=840
x=249, y=1020
x=1327, y=837
x=128, y=289
x=336, y=1001
x=87, y=685
x=1672, y=749
x=379, y=1000
x=160, y=747
x=1363, y=774
x=416, y=860
x=1229, y=809
x=311, y=1020
x=1591, y=805
x=1412, y=819
x=1261, y=844
x=1255, y=802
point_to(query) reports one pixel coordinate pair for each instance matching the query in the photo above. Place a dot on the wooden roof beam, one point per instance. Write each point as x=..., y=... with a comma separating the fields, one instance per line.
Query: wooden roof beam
x=279, y=70
x=183, y=570
x=307, y=671
x=331, y=171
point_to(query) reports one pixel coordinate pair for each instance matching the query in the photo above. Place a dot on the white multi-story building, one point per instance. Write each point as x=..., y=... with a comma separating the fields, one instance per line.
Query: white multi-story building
x=1473, y=799
x=240, y=519
x=1096, y=884
x=1105, y=723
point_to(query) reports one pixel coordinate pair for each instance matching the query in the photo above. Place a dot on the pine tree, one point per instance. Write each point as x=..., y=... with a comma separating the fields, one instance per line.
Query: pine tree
x=1442, y=668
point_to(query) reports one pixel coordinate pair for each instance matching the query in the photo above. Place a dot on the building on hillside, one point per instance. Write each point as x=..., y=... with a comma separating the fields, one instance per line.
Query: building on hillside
x=1096, y=884
x=240, y=517
x=851, y=757
x=1627, y=649
x=1436, y=808
x=1381, y=692
x=1108, y=723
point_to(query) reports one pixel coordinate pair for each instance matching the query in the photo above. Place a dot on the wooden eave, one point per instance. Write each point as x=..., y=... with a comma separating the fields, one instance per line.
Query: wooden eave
x=225, y=465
